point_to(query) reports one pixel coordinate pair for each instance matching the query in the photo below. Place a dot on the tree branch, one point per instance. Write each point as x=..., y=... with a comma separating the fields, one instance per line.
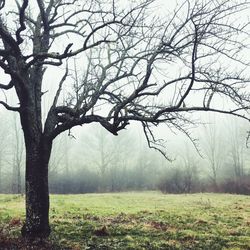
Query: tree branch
x=8, y=107
x=8, y=86
x=21, y=21
x=9, y=41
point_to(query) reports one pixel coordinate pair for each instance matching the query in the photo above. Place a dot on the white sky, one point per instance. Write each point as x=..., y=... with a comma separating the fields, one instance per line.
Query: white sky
x=161, y=7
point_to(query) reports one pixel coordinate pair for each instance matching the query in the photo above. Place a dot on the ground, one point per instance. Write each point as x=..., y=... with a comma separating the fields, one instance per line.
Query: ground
x=146, y=220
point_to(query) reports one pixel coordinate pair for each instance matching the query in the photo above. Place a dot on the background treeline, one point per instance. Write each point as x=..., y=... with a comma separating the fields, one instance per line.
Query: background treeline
x=89, y=159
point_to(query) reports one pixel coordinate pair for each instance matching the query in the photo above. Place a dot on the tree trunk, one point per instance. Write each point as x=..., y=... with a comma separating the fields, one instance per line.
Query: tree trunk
x=37, y=190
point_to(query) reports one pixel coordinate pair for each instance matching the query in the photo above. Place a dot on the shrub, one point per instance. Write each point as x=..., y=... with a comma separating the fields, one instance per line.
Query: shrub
x=178, y=180
x=240, y=185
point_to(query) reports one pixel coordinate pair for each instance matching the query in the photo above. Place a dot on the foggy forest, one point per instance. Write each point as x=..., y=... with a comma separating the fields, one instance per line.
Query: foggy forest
x=91, y=160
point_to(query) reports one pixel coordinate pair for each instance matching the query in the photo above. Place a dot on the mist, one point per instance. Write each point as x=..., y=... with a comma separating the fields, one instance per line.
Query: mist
x=89, y=159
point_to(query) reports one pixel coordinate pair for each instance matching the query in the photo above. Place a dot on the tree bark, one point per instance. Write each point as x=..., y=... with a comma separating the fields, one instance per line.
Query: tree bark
x=37, y=190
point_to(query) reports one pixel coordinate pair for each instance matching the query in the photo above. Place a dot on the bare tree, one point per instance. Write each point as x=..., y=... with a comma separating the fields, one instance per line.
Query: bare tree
x=99, y=154
x=190, y=171
x=121, y=53
x=123, y=159
x=3, y=145
x=236, y=149
x=18, y=150
x=213, y=149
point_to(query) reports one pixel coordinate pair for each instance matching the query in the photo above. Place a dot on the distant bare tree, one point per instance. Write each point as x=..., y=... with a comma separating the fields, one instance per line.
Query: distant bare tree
x=99, y=154
x=3, y=143
x=190, y=172
x=18, y=157
x=145, y=165
x=213, y=150
x=236, y=149
x=121, y=54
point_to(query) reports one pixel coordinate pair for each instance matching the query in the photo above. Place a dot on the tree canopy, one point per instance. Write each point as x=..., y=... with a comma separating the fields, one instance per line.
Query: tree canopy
x=139, y=66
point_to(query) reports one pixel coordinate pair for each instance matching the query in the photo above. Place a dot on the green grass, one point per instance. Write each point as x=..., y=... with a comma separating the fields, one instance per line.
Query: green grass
x=146, y=220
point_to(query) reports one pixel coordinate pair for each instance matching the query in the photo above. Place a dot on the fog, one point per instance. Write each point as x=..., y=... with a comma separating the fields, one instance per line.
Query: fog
x=89, y=159
x=206, y=153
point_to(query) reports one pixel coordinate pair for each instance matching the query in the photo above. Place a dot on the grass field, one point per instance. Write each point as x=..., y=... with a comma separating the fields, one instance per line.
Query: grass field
x=146, y=220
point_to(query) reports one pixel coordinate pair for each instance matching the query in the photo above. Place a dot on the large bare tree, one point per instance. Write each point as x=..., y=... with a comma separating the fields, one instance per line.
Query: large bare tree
x=130, y=66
